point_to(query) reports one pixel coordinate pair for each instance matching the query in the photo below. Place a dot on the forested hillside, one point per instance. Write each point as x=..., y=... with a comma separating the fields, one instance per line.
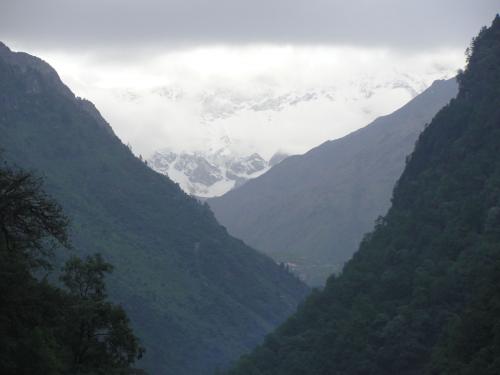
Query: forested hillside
x=312, y=210
x=421, y=295
x=68, y=328
x=197, y=297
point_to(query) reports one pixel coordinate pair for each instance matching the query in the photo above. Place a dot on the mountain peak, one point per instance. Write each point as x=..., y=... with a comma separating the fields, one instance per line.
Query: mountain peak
x=51, y=80
x=208, y=173
x=26, y=61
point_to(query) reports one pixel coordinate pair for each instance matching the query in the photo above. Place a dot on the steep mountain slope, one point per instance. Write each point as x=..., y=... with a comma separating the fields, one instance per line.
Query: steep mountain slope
x=196, y=296
x=208, y=173
x=421, y=296
x=312, y=210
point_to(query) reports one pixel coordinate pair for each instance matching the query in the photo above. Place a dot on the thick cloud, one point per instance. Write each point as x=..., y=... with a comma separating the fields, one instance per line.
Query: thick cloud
x=91, y=24
x=264, y=98
x=269, y=74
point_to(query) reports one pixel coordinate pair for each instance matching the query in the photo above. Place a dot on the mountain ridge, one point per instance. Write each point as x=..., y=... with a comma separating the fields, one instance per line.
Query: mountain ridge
x=196, y=296
x=421, y=294
x=210, y=173
x=337, y=189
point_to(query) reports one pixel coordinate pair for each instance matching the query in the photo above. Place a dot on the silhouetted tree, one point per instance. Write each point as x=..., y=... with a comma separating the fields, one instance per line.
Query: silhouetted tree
x=99, y=334
x=45, y=329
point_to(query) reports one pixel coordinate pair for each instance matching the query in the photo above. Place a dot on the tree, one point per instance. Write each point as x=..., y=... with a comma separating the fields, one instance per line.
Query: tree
x=31, y=223
x=99, y=335
x=45, y=329
x=31, y=226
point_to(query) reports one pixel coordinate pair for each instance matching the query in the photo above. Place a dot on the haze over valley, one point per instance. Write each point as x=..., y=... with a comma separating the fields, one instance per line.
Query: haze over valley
x=193, y=187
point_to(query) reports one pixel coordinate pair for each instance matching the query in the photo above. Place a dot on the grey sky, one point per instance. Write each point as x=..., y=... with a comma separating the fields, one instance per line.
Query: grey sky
x=187, y=73
x=91, y=24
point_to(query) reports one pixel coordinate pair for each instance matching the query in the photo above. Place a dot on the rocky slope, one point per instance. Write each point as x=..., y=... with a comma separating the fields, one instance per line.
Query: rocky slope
x=210, y=173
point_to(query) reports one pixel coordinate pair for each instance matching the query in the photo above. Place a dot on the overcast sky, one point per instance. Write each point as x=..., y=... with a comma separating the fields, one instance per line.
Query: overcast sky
x=269, y=74
x=89, y=24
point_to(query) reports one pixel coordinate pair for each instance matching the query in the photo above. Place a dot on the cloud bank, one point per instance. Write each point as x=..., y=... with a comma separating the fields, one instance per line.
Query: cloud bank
x=263, y=98
x=267, y=74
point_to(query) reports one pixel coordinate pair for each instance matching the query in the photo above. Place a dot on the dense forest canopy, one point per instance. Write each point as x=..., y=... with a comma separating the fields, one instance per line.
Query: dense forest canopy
x=421, y=295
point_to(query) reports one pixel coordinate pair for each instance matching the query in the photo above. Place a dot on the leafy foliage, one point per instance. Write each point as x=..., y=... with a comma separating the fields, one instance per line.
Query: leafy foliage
x=45, y=329
x=99, y=333
x=421, y=296
x=30, y=222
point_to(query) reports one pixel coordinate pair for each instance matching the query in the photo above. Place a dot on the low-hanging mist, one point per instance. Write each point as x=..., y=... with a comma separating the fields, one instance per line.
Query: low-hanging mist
x=263, y=98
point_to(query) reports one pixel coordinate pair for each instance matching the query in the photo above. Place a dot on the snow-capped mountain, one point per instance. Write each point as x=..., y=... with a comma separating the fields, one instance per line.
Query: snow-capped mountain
x=226, y=103
x=210, y=174
x=215, y=157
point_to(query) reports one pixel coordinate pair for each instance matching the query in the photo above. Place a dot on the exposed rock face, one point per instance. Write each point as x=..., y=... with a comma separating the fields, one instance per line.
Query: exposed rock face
x=209, y=174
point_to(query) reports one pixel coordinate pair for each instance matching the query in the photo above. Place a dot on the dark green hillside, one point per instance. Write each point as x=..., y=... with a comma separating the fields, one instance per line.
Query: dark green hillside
x=196, y=296
x=421, y=296
x=70, y=328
